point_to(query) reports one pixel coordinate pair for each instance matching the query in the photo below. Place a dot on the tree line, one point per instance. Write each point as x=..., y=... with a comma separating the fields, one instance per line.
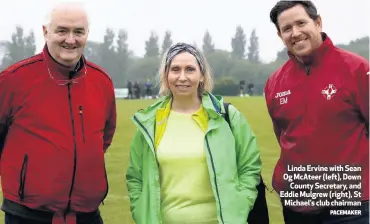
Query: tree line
x=229, y=68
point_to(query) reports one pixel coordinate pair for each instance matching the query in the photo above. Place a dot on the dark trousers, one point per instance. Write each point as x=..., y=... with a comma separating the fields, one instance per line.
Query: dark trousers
x=12, y=219
x=324, y=217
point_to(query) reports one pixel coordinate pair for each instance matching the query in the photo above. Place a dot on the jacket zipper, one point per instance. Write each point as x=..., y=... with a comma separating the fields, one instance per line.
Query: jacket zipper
x=74, y=151
x=308, y=73
x=83, y=137
x=146, y=131
x=215, y=179
x=82, y=123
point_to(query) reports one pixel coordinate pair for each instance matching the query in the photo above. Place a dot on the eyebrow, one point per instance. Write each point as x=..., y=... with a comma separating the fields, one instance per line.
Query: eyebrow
x=175, y=65
x=66, y=28
x=296, y=21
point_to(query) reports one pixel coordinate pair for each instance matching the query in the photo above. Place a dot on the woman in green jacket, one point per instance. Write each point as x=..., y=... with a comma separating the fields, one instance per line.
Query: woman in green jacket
x=186, y=164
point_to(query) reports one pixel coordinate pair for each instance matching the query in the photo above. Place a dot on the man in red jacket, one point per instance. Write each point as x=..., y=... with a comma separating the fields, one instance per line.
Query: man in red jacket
x=319, y=105
x=57, y=119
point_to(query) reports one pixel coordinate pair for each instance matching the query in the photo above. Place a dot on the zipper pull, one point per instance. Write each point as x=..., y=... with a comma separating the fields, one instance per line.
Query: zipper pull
x=307, y=70
x=82, y=123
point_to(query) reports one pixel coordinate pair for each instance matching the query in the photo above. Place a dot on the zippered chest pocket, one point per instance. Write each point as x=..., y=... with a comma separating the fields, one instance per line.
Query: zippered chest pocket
x=91, y=122
x=82, y=122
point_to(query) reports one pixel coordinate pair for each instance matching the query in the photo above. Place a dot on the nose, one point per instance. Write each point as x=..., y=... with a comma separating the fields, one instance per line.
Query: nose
x=295, y=31
x=70, y=39
x=182, y=76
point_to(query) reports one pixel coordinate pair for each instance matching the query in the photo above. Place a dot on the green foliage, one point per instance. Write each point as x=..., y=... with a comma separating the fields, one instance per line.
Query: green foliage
x=107, y=57
x=151, y=46
x=123, y=59
x=112, y=54
x=238, y=44
x=167, y=42
x=359, y=46
x=253, y=49
x=144, y=68
x=20, y=47
x=282, y=55
x=220, y=63
x=226, y=80
x=208, y=46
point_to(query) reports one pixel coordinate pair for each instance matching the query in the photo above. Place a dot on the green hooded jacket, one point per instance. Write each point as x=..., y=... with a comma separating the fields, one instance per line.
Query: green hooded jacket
x=232, y=156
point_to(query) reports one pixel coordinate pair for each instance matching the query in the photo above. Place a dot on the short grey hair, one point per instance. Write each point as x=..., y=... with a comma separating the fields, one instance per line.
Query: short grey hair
x=66, y=5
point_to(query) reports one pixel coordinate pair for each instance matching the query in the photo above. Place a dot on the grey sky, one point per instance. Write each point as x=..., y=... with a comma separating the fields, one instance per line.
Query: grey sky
x=188, y=20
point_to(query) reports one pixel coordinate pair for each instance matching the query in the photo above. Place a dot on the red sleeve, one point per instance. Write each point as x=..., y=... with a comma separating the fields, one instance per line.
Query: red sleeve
x=110, y=125
x=6, y=96
x=362, y=94
x=268, y=99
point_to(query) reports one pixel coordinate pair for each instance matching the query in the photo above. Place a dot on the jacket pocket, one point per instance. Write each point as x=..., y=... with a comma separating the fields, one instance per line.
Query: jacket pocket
x=22, y=177
x=82, y=123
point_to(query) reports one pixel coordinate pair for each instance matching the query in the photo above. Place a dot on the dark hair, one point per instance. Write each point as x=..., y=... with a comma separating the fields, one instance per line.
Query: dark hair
x=283, y=5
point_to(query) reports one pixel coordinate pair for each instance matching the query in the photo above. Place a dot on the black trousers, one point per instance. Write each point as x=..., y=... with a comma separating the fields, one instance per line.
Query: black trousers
x=12, y=219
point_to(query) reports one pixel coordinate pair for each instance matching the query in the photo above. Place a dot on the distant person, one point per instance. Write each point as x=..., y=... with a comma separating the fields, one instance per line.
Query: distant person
x=148, y=89
x=241, y=88
x=186, y=165
x=130, y=90
x=57, y=119
x=319, y=105
x=137, y=90
x=250, y=89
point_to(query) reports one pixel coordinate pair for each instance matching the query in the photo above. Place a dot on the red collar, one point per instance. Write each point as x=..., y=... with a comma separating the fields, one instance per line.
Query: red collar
x=61, y=73
x=318, y=54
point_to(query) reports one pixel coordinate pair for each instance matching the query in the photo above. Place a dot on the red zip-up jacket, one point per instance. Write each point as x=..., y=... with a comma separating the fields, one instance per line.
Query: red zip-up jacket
x=320, y=115
x=55, y=136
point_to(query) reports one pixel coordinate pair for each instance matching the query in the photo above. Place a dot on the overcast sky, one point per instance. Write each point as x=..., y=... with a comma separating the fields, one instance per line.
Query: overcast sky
x=188, y=20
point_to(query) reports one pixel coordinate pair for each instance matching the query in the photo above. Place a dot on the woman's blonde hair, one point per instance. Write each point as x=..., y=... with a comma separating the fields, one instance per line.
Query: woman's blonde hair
x=205, y=86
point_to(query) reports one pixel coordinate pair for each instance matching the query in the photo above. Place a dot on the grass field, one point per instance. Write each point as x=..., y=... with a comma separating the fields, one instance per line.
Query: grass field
x=116, y=209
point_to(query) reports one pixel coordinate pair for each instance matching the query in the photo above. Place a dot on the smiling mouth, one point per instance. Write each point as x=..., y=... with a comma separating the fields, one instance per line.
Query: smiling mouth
x=69, y=48
x=182, y=86
x=299, y=42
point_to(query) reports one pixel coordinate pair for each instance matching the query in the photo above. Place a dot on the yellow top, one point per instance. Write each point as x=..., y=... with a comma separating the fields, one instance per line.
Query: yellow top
x=201, y=117
x=186, y=191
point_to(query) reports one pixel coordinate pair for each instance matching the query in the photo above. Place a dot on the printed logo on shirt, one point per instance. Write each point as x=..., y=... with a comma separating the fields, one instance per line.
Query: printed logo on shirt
x=329, y=91
x=283, y=96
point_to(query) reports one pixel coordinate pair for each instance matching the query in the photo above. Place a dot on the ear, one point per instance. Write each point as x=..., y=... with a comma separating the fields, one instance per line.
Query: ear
x=201, y=79
x=45, y=31
x=279, y=34
x=319, y=23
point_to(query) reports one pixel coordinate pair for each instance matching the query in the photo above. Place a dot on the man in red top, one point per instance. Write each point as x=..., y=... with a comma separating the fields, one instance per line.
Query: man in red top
x=319, y=105
x=57, y=119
